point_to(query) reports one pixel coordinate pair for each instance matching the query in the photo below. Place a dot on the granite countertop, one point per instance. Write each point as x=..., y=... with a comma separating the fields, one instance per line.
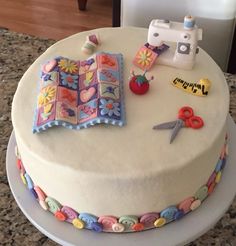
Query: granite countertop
x=17, y=52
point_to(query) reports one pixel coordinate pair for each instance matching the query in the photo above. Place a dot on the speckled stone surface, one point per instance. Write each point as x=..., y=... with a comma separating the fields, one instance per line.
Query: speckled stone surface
x=17, y=52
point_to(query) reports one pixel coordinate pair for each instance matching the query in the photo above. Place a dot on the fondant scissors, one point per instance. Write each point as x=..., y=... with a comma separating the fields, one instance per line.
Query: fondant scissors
x=186, y=118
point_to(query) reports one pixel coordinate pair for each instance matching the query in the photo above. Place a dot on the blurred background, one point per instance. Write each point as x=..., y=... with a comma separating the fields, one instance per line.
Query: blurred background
x=57, y=19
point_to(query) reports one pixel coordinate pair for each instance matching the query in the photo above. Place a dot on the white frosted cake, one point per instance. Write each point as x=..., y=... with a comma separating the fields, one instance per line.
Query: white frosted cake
x=129, y=178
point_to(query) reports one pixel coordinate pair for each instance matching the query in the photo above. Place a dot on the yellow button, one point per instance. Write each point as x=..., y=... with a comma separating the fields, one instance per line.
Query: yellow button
x=78, y=223
x=218, y=177
x=23, y=178
x=160, y=222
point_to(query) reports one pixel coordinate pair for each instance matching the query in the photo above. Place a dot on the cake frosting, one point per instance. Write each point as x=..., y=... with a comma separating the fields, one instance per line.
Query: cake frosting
x=110, y=170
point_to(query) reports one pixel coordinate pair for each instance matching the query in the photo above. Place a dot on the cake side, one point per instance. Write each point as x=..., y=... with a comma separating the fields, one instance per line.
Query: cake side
x=130, y=164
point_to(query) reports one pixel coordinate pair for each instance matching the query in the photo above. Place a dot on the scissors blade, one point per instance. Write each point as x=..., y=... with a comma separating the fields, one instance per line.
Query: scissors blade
x=178, y=125
x=166, y=125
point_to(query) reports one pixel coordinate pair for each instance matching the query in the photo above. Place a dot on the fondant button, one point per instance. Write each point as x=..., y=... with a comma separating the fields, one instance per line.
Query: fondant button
x=53, y=205
x=88, y=219
x=22, y=170
x=117, y=227
x=211, y=179
x=195, y=204
x=60, y=216
x=18, y=164
x=23, y=178
x=41, y=195
x=97, y=227
x=211, y=187
x=179, y=214
x=43, y=204
x=169, y=213
x=128, y=221
x=78, y=223
x=185, y=204
x=29, y=181
x=17, y=152
x=138, y=227
x=160, y=222
x=70, y=213
x=34, y=193
x=107, y=222
x=226, y=150
x=219, y=165
x=202, y=193
x=218, y=177
x=149, y=218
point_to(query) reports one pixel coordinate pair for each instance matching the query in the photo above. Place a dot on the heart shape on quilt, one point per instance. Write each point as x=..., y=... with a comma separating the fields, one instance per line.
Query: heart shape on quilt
x=49, y=66
x=86, y=95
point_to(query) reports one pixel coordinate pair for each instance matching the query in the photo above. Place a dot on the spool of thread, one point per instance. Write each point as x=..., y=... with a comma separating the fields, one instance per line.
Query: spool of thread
x=189, y=22
x=88, y=47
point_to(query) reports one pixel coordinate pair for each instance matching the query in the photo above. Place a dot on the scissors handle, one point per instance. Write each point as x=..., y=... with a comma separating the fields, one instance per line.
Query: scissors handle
x=185, y=113
x=194, y=122
x=190, y=120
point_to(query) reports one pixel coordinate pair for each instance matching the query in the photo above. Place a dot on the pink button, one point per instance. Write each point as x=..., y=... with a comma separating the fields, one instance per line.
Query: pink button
x=186, y=204
x=41, y=195
x=107, y=221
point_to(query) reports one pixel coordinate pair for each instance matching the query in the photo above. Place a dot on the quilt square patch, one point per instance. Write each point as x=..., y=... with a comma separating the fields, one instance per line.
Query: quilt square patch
x=105, y=75
x=88, y=94
x=46, y=95
x=88, y=65
x=145, y=58
x=87, y=111
x=107, y=61
x=109, y=91
x=51, y=78
x=109, y=108
x=67, y=96
x=46, y=113
x=87, y=79
x=66, y=113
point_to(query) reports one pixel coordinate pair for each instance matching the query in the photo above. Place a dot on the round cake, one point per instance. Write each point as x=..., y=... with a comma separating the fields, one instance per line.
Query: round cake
x=132, y=171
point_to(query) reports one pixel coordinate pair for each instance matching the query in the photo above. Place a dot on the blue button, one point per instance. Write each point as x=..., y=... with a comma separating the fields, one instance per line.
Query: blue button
x=97, y=227
x=169, y=213
x=89, y=219
x=179, y=214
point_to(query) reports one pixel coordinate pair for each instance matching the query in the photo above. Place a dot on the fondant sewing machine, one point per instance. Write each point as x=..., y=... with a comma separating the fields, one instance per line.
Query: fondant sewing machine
x=185, y=35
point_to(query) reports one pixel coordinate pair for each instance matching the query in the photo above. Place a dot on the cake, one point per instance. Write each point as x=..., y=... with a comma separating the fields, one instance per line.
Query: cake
x=130, y=178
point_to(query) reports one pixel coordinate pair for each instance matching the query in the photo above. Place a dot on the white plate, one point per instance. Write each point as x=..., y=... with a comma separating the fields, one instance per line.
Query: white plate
x=177, y=233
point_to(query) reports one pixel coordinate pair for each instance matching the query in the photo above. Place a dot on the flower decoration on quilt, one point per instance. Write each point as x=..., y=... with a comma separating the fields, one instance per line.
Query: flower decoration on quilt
x=109, y=107
x=46, y=95
x=68, y=66
x=69, y=80
x=47, y=111
x=144, y=57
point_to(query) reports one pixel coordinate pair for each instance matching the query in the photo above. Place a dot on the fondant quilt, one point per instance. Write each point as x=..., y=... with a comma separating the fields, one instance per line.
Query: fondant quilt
x=78, y=94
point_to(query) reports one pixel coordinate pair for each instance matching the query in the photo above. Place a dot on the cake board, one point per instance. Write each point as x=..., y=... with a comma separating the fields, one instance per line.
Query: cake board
x=180, y=232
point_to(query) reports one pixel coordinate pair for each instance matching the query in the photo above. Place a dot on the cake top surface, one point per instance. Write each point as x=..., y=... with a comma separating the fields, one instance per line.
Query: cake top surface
x=135, y=149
